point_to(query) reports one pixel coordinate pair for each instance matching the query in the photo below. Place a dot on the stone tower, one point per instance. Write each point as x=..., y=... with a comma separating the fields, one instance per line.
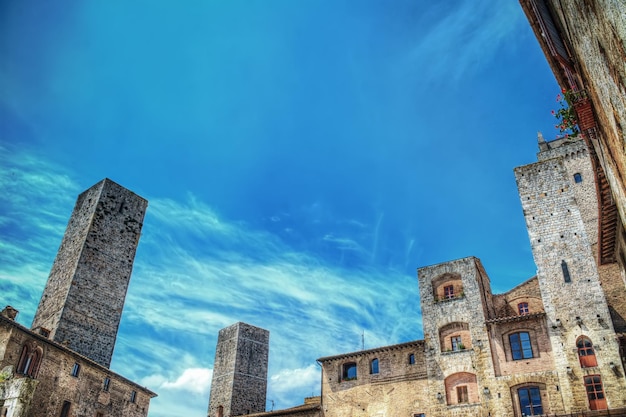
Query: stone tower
x=82, y=302
x=239, y=383
x=559, y=202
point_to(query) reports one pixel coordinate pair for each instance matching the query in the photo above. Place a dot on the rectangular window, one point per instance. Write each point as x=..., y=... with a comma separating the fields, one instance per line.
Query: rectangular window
x=411, y=359
x=448, y=292
x=76, y=370
x=133, y=396
x=595, y=393
x=520, y=346
x=65, y=410
x=523, y=308
x=456, y=343
x=105, y=385
x=461, y=394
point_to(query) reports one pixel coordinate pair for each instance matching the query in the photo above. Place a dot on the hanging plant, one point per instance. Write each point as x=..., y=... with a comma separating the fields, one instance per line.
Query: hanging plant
x=566, y=115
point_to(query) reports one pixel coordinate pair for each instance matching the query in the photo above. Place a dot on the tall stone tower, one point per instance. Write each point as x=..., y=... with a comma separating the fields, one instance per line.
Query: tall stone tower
x=239, y=383
x=559, y=202
x=82, y=302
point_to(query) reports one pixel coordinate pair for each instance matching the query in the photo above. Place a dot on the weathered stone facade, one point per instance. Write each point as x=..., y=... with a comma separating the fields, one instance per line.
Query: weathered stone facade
x=60, y=367
x=58, y=377
x=379, y=382
x=239, y=384
x=551, y=345
x=585, y=45
x=82, y=303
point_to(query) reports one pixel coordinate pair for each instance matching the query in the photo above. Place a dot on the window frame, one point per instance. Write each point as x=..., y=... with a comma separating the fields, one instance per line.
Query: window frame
x=448, y=292
x=590, y=382
x=411, y=359
x=578, y=178
x=529, y=390
x=75, y=370
x=456, y=342
x=133, y=396
x=586, y=353
x=522, y=348
x=106, y=384
x=346, y=371
x=462, y=394
x=522, y=308
x=374, y=367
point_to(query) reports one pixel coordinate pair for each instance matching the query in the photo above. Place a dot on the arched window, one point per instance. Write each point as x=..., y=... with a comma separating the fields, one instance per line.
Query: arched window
x=411, y=359
x=530, y=401
x=521, y=347
x=461, y=388
x=522, y=308
x=374, y=366
x=586, y=354
x=578, y=178
x=220, y=411
x=349, y=371
x=29, y=360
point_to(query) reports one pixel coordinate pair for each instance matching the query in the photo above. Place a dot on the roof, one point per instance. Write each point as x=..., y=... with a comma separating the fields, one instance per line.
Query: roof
x=45, y=340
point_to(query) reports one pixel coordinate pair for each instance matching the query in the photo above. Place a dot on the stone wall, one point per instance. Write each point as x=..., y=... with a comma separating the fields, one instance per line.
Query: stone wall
x=83, y=299
x=44, y=393
x=399, y=388
x=239, y=384
x=574, y=300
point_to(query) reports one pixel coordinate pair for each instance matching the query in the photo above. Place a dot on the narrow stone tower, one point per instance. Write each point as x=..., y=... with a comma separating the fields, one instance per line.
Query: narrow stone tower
x=239, y=383
x=82, y=302
x=559, y=202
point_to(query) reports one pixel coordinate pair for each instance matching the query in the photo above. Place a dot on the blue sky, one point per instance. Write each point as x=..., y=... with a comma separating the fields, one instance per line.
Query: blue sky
x=301, y=159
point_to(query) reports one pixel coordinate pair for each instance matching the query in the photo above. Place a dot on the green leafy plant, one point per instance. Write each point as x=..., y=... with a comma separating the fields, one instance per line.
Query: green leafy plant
x=566, y=115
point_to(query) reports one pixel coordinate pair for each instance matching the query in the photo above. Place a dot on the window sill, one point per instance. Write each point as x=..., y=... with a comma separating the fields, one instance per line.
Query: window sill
x=464, y=405
x=447, y=300
x=452, y=352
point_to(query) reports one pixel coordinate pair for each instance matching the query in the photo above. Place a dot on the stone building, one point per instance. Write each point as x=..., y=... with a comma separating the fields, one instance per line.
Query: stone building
x=585, y=45
x=239, y=384
x=553, y=344
x=60, y=367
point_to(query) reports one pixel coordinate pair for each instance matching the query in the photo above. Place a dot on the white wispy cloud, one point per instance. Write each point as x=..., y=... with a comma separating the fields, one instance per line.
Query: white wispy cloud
x=195, y=380
x=196, y=273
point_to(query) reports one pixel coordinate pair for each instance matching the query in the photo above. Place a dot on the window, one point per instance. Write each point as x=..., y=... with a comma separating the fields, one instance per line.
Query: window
x=133, y=396
x=29, y=361
x=99, y=414
x=595, y=393
x=578, y=178
x=530, y=401
x=520, y=346
x=349, y=371
x=448, y=292
x=461, y=394
x=105, y=385
x=220, y=411
x=522, y=308
x=456, y=343
x=565, y=269
x=76, y=370
x=374, y=366
x=65, y=410
x=586, y=354
x=411, y=359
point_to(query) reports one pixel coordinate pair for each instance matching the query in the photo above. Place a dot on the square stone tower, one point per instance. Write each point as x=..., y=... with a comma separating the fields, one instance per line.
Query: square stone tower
x=558, y=196
x=239, y=383
x=82, y=302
